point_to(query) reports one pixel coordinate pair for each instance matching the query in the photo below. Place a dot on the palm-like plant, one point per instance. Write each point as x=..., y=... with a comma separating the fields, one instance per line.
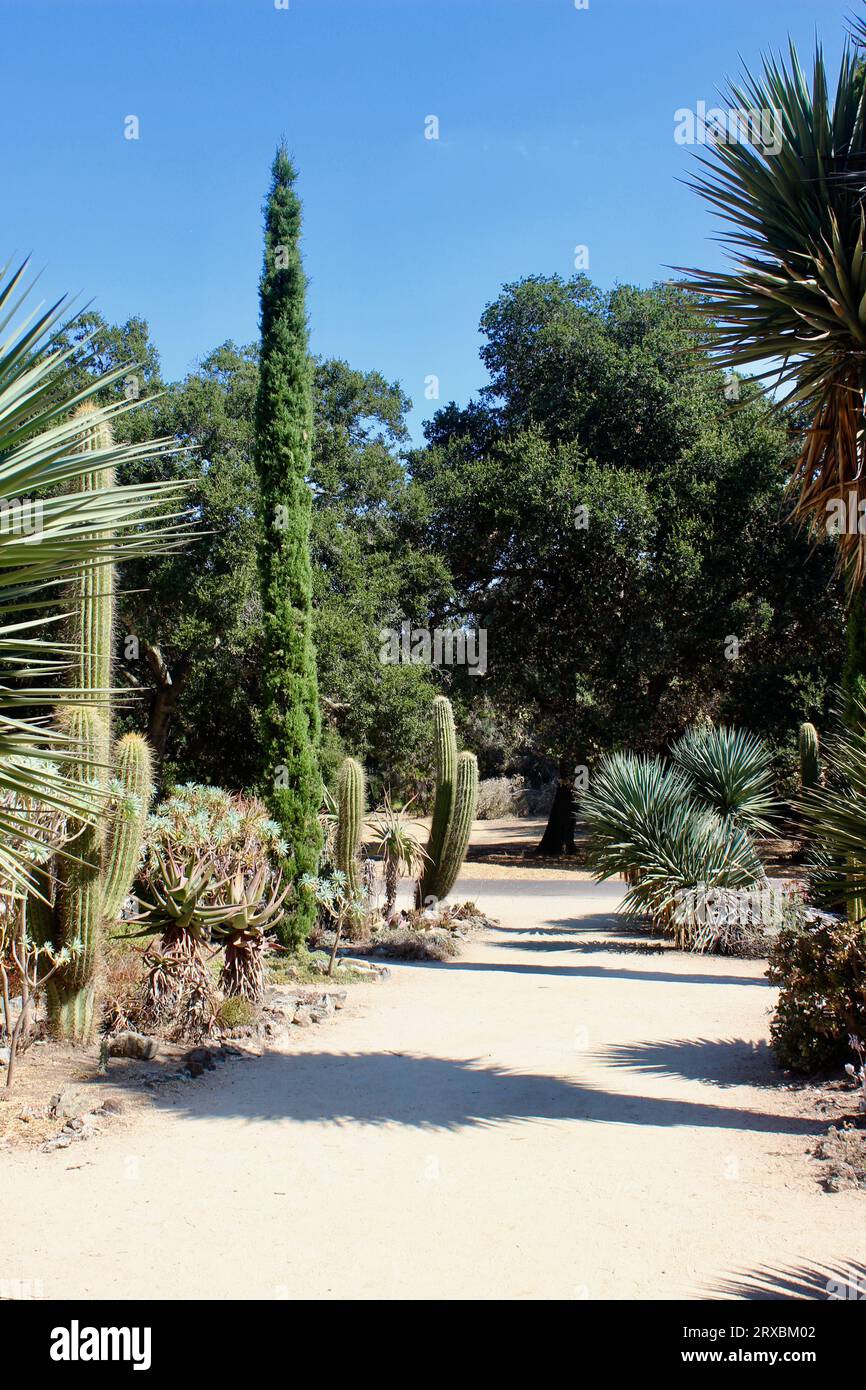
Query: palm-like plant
x=39, y=459
x=731, y=771
x=401, y=853
x=178, y=985
x=795, y=300
x=648, y=823
x=243, y=925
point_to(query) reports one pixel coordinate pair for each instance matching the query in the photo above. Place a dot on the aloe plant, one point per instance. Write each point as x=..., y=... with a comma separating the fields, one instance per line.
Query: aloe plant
x=242, y=925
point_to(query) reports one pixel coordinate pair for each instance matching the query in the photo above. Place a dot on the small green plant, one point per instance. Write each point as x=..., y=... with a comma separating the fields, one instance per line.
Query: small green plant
x=236, y=1011
x=335, y=901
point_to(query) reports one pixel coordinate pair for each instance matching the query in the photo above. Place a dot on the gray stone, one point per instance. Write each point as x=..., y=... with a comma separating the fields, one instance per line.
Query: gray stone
x=303, y=1016
x=71, y=1102
x=4, y=1056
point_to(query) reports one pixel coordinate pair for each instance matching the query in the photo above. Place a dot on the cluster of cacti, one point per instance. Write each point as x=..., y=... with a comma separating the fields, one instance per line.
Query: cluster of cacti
x=83, y=890
x=453, y=808
x=810, y=757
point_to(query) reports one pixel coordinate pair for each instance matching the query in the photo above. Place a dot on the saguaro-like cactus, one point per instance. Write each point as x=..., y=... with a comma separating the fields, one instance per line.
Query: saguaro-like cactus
x=810, y=757
x=350, y=820
x=87, y=887
x=453, y=808
x=460, y=823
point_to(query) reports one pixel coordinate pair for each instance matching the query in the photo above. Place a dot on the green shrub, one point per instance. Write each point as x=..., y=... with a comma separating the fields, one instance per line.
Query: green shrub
x=236, y=1012
x=231, y=831
x=820, y=966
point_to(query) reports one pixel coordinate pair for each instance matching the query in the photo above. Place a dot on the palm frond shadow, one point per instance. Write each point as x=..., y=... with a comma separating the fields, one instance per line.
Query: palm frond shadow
x=842, y=1282
x=718, y=1061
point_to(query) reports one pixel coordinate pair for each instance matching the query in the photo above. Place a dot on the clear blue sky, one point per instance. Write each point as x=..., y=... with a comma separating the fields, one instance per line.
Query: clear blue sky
x=556, y=128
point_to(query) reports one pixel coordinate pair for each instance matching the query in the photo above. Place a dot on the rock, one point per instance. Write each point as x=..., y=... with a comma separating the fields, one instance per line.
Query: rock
x=112, y=1106
x=339, y=997
x=303, y=1016
x=71, y=1102
x=59, y=1142
x=132, y=1044
x=198, y=1061
x=4, y=1056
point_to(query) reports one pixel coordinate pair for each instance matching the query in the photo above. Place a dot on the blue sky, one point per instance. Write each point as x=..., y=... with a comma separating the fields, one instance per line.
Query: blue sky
x=555, y=130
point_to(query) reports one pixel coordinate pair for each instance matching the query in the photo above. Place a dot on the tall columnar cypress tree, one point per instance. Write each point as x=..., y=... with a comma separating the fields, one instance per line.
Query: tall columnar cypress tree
x=283, y=427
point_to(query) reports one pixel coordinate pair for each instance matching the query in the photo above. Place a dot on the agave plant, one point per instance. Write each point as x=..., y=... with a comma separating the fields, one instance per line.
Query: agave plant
x=178, y=987
x=731, y=771
x=791, y=193
x=243, y=925
x=47, y=533
x=400, y=851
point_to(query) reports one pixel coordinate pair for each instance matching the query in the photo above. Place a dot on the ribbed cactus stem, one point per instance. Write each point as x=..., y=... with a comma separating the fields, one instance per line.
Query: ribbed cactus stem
x=79, y=909
x=350, y=820
x=79, y=905
x=459, y=826
x=134, y=773
x=445, y=748
x=810, y=757
x=93, y=616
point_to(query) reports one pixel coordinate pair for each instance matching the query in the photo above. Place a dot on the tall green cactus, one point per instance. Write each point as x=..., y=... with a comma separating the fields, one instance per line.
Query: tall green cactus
x=810, y=757
x=350, y=821
x=453, y=808
x=88, y=885
x=445, y=753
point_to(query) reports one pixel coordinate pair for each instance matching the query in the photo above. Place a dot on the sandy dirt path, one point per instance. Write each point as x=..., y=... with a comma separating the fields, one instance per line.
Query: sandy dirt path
x=550, y=1116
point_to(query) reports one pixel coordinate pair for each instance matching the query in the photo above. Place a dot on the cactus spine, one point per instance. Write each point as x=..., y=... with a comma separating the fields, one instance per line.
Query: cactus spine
x=90, y=887
x=453, y=808
x=350, y=820
x=810, y=757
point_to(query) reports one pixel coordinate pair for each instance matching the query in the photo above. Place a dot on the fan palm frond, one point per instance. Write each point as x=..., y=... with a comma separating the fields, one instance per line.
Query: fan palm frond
x=794, y=303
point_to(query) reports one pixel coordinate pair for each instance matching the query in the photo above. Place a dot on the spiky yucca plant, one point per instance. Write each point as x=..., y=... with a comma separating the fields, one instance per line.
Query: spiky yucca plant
x=731, y=772
x=401, y=853
x=794, y=301
x=51, y=526
x=648, y=823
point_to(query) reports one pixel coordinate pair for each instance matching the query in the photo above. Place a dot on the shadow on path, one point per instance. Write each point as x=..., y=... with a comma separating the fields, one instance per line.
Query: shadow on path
x=602, y=972
x=829, y=1282
x=719, y=1061
x=438, y=1093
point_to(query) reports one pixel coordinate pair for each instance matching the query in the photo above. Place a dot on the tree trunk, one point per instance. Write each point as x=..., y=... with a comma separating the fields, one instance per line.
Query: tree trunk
x=558, y=838
x=169, y=687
